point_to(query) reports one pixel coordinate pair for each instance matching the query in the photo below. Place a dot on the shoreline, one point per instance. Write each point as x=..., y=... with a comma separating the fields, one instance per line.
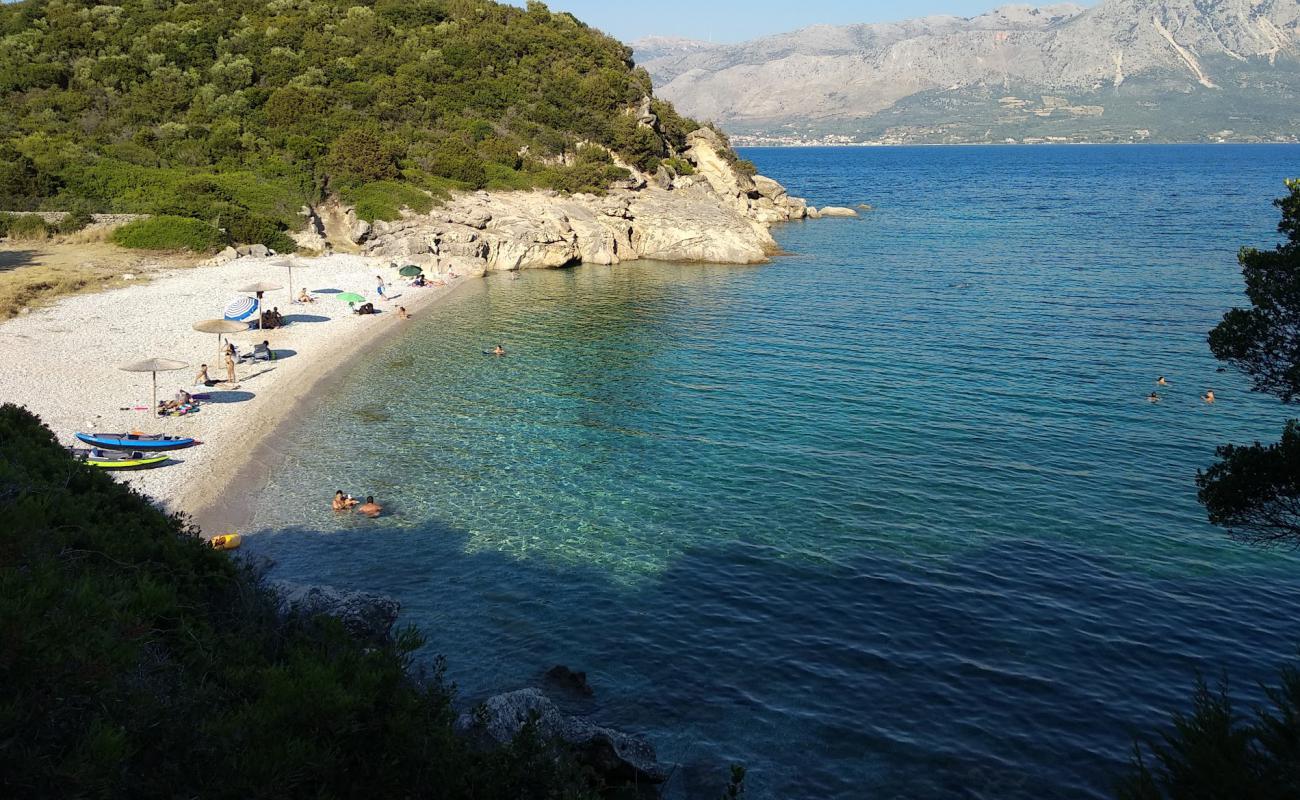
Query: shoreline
x=205, y=505
x=61, y=363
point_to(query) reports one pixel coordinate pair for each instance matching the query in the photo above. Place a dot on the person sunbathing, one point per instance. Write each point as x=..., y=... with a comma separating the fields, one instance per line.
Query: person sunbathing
x=303, y=297
x=202, y=379
x=401, y=313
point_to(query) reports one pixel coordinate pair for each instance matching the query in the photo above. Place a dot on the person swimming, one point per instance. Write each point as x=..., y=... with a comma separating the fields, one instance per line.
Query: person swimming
x=1153, y=398
x=370, y=508
x=342, y=502
x=1208, y=396
x=499, y=350
x=1161, y=381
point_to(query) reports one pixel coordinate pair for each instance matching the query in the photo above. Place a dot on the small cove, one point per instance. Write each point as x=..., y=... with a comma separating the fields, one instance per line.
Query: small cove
x=887, y=516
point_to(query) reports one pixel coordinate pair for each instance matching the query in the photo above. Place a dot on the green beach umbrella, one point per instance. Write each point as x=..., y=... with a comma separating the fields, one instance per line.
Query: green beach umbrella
x=350, y=297
x=410, y=271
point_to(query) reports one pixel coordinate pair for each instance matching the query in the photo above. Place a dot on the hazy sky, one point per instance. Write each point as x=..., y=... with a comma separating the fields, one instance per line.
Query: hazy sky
x=737, y=20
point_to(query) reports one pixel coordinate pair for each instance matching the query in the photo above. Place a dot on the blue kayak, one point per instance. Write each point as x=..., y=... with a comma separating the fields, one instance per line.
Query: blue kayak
x=136, y=441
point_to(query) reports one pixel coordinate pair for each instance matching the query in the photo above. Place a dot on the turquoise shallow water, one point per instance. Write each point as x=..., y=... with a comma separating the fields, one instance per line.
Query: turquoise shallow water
x=887, y=517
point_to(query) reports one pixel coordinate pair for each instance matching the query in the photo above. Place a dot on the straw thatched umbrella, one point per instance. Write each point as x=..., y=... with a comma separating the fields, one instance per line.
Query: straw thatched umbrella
x=154, y=365
x=257, y=289
x=288, y=263
x=220, y=327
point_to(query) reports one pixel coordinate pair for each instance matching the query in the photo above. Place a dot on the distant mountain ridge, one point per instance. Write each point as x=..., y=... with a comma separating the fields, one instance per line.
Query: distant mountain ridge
x=1124, y=70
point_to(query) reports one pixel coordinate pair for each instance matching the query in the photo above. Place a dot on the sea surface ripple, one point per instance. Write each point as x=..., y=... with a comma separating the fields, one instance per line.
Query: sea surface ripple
x=887, y=517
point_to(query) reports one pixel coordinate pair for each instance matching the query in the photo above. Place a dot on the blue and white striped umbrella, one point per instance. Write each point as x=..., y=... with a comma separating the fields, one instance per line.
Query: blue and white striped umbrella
x=241, y=308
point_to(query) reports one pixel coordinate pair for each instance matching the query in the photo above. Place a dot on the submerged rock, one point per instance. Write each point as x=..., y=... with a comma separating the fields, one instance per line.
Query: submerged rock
x=569, y=680
x=366, y=615
x=837, y=211
x=620, y=758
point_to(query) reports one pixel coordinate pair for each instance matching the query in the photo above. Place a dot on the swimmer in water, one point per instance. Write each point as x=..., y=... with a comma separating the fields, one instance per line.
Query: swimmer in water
x=499, y=350
x=342, y=502
x=1161, y=381
x=1153, y=398
x=370, y=508
x=1208, y=396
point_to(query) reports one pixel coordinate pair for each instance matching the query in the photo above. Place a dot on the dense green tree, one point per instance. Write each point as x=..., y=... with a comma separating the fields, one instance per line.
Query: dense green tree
x=1254, y=490
x=118, y=104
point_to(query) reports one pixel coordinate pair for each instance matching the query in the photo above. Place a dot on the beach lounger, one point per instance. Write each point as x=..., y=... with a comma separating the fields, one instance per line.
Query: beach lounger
x=259, y=353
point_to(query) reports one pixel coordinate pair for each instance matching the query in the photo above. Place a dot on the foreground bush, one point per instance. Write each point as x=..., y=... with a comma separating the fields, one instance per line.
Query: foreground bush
x=137, y=662
x=27, y=227
x=1215, y=752
x=170, y=233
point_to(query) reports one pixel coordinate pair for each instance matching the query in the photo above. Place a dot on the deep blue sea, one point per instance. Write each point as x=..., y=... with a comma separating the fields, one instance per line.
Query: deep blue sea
x=887, y=517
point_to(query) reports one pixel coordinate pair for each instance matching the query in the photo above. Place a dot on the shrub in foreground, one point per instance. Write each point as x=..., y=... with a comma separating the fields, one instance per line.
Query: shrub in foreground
x=1216, y=752
x=138, y=662
x=170, y=233
x=28, y=227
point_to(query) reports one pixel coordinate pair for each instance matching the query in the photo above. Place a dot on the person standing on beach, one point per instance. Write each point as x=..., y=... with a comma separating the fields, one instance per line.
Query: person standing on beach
x=379, y=289
x=230, y=367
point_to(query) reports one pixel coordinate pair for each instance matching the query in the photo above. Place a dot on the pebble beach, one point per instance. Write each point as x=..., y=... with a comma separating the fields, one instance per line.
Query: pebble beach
x=62, y=362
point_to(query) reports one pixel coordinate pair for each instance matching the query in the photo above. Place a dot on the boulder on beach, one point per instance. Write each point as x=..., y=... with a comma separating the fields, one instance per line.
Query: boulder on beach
x=619, y=758
x=366, y=615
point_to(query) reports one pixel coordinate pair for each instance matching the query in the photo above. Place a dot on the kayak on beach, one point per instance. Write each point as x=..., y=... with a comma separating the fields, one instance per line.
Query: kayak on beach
x=136, y=441
x=94, y=457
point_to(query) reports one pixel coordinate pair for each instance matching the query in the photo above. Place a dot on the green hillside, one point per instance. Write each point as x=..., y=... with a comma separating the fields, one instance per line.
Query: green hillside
x=239, y=112
x=138, y=662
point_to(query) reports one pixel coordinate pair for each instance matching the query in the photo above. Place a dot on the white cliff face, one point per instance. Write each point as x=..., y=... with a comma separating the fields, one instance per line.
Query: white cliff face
x=718, y=215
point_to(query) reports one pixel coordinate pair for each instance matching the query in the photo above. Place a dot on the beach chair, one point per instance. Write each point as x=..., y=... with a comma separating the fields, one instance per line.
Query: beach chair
x=260, y=353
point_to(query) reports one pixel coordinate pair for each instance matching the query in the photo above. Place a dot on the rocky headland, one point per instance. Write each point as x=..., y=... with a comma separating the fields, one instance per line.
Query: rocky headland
x=708, y=209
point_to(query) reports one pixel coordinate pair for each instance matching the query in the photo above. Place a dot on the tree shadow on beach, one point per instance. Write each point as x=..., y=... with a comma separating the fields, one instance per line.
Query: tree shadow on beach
x=13, y=259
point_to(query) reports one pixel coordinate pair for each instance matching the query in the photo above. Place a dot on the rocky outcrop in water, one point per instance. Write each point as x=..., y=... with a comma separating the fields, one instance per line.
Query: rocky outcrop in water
x=618, y=757
x=366, y=615
x=717, y=214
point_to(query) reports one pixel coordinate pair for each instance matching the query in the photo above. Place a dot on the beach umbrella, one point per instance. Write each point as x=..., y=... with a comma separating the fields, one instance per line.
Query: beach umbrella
x=241, y=309
x=154, y=365
x=257, y=289
x=410, y=271
x=288, y=264
x=220, y=327
x=350, y=297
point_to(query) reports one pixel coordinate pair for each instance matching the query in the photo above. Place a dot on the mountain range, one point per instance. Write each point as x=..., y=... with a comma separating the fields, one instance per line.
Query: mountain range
x=1122, y=70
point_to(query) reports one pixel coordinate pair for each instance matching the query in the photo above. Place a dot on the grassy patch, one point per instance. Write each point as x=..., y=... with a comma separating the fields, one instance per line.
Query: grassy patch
x=170, y=233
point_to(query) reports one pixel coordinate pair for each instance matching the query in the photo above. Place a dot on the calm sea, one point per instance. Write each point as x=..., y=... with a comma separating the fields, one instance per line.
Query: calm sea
x=887, y=517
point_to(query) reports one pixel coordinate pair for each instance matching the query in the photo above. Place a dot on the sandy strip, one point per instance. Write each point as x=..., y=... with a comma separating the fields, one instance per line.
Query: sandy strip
x=61, y=363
